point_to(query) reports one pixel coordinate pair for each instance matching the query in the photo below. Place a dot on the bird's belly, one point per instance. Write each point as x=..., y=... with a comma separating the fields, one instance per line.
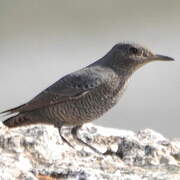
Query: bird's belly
x=85, y=109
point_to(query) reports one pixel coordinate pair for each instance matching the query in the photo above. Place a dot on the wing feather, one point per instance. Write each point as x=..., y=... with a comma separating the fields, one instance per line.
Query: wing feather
x=72, y=86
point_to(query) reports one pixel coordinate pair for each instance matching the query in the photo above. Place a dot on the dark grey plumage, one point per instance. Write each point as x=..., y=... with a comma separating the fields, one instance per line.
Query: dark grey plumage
x=87, y=94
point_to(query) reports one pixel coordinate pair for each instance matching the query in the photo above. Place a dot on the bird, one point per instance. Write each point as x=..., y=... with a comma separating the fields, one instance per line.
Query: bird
x=86, y=94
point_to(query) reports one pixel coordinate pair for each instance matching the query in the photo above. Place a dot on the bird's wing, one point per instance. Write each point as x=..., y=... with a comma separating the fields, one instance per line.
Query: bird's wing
x=72, y=86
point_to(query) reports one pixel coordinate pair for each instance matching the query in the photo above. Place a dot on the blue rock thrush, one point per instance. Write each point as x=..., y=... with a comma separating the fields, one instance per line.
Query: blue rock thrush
x=86, y=94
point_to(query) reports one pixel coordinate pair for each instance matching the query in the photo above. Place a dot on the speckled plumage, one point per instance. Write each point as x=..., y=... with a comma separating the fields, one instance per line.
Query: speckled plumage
x=86, y=94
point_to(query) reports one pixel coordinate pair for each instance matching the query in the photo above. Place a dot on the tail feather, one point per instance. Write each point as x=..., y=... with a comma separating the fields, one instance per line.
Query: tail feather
x=13, y=110
x=15, y=121
x=19, y=120
x=25, y=119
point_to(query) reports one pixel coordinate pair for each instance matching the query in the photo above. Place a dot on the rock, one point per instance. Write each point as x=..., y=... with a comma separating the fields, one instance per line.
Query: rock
x=38, y=153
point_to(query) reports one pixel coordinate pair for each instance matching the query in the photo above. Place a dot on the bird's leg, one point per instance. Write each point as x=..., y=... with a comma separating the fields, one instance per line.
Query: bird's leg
x=62, y=137
x=74, y=133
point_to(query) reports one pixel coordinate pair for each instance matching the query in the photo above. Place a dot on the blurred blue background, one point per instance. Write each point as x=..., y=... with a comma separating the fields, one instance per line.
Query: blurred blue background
x=41, y=40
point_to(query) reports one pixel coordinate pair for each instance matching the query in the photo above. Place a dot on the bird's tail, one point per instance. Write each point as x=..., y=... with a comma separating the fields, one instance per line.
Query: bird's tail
x=18, y=121
x=13, y=110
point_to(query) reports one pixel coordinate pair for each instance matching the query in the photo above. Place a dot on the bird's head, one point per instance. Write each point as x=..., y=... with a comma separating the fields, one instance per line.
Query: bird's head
x=130, y=57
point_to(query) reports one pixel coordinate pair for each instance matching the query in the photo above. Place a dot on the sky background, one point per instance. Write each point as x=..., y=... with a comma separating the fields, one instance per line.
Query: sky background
x=42, y=40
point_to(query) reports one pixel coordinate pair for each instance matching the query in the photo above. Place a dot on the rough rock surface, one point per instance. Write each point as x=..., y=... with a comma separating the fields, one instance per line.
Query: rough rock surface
x=37, y=153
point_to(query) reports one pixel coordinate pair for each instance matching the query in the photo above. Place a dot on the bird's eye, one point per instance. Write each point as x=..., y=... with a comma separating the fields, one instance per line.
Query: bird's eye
x=133, y=50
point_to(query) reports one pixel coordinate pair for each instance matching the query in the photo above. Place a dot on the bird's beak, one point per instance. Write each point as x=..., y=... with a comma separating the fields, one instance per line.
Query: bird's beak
x=159, y=57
